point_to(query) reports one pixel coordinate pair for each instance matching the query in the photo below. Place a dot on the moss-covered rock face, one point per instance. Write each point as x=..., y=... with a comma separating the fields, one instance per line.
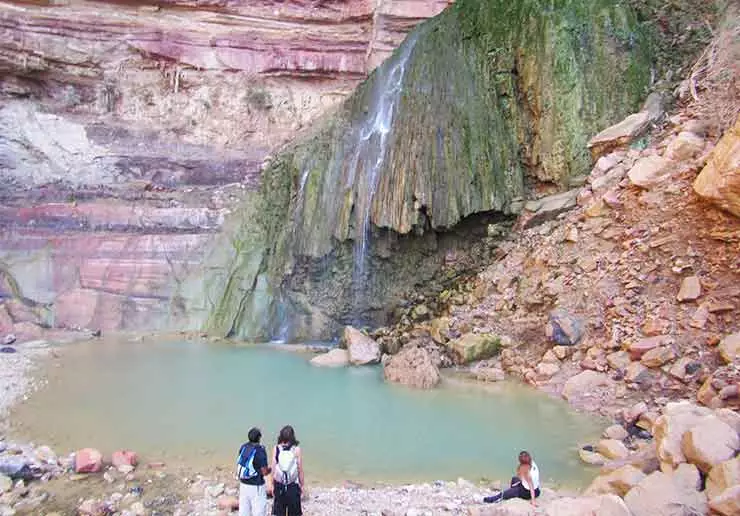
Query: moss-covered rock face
x=490, y=96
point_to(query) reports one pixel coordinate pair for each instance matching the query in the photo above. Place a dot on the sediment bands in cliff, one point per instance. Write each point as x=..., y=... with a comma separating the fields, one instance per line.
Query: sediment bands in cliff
x=493, y=96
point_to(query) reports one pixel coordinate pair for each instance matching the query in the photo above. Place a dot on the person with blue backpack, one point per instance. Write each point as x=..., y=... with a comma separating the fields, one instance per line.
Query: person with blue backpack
x=251, y=468
x=287, y=475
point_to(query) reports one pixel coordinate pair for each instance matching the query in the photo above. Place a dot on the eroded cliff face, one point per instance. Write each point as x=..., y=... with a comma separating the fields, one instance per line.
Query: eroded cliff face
x=129, y=130
x=479, y=108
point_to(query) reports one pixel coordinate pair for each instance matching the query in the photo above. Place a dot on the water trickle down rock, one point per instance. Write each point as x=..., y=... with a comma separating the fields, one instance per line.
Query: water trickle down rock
x=476, y=102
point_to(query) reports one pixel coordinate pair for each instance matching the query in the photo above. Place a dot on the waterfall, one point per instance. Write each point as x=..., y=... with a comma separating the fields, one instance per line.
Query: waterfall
x=370, y=146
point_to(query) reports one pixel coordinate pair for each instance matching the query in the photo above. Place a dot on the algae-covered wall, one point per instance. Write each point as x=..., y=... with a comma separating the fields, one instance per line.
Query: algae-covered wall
x=491, y=97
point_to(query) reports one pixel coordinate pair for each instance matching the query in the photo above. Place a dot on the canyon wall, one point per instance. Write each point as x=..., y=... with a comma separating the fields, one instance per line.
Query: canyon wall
x=481, y=108
x=130, y=130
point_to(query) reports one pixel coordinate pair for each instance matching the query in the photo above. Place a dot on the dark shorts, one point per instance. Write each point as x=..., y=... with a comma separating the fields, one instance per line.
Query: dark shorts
x=286, y=500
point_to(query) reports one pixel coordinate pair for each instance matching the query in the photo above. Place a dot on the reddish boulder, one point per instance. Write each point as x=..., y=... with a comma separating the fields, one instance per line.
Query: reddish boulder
x=88, y=460
x=125, y=458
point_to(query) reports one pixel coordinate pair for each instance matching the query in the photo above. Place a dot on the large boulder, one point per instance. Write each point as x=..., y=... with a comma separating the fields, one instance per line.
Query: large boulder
x=333, y=358
x=88, y=460
x=727, y=503
x=719, y=181
x=619, y=481
x=612, y=449
x=676, y=420
x=476, y=346
x=709, y=442
x=723, y=476
x=412, y=366
x=619, y=134
x=362, y=349
x=603, y=505
x=661, y=494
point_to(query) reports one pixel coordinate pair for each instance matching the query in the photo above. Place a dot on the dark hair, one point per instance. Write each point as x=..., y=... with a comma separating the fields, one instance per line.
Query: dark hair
x=287, y=436
x=254, y=435
x=525, y=457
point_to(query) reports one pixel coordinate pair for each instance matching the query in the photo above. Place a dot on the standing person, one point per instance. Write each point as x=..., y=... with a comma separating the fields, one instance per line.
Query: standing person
x=526, y=483
x=287, y=475
x=251, y=468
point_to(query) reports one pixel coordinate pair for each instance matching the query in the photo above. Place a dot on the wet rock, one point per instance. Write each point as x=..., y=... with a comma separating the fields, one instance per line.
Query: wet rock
x=690, y=289
x=88, y=460
x=9, y=339
x=124, y=458
x=583, y=383
x=412, y=366
x=659, y=494
x=685, y=146
x=612, y=449
x=362, y=349
x=719, y=181
x=676, y=420
x=729, y=348
x=476, y=346
x=709, y=442
x=723, y=476
x=591, y=457
x=616, y=432
x=333, y=358
x=656, y=357
x=563, y=328
x=727, y=503
x=92, y=507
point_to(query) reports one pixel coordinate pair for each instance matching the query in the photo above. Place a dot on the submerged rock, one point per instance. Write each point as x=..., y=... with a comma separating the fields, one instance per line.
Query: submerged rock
x=412, y=366
x=332, y=358
x=88, y=460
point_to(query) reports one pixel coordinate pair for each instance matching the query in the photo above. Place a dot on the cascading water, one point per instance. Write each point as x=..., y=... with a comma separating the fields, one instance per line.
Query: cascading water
x=370, y=144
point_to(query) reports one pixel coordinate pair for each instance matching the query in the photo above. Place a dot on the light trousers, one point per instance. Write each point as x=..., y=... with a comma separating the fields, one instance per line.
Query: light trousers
x=252, y=500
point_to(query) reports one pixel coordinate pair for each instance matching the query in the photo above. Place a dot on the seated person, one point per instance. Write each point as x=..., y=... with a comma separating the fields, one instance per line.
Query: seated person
x=526, y=483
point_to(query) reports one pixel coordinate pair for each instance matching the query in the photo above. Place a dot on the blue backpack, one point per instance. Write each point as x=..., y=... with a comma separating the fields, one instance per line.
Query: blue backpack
x=245, y=462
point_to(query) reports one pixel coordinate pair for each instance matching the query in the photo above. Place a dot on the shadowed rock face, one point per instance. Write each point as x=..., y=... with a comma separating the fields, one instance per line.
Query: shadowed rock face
x=495, y=97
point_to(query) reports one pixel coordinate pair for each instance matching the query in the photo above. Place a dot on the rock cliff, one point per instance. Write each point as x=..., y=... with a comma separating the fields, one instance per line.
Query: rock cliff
x=128, y=130
x=482, y=106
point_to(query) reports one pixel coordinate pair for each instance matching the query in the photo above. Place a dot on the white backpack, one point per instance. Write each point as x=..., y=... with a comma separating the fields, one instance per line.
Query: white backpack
x=286, y=465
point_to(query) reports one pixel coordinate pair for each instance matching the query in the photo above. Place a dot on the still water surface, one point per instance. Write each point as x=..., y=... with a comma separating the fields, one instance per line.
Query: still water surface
x=191, y=403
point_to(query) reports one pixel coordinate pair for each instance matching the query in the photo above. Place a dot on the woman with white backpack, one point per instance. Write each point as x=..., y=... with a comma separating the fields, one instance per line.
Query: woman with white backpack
x=287, y=475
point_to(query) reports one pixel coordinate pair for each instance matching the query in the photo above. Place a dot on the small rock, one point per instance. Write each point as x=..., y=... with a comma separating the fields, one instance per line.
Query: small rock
x=638, y=348
x=9, y=339
x=690, y=289
x=420, y=313
x=215, y=491
x=228, y=503
x=618, y=360
x=633, y=413
x=584, y=383
x=92, y=507
x=729, y=348
x=685, y=146
x=124, y=458
x=563, y=328
x=658, y=356
x=591, y=457
x=547, y=369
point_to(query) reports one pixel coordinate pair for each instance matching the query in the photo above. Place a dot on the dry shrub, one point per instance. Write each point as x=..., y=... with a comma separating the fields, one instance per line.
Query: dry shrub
x=714, y=81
